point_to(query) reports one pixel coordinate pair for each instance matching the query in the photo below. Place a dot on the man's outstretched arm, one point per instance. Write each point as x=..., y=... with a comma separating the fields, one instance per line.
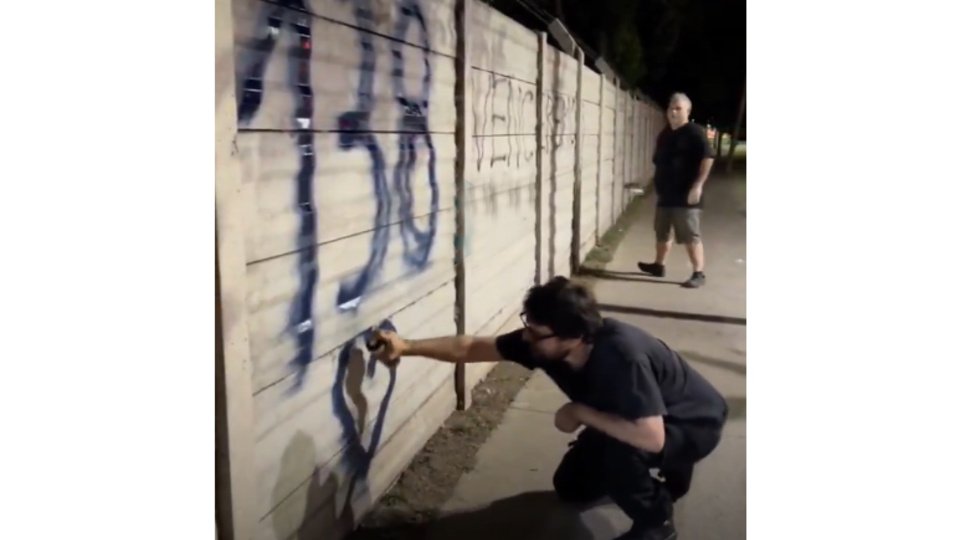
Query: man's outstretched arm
x=390, y=347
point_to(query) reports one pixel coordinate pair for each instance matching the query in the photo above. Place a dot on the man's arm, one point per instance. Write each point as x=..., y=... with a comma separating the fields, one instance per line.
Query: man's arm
x=705, y=165
x=706, y=155
x=637, y=417
x=389, y=347
x=706, y=161
x=455, y=349
x=644, y=433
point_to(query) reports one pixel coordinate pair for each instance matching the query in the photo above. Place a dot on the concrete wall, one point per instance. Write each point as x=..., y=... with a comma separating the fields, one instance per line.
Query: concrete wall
x=341, y=213
x=501, y=171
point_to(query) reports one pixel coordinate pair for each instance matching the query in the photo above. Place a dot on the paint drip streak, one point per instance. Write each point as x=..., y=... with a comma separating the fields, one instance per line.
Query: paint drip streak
x=302, y=320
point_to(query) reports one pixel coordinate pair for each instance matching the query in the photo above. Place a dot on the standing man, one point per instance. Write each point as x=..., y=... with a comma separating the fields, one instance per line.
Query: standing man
x=683, y=158
x=644, y=410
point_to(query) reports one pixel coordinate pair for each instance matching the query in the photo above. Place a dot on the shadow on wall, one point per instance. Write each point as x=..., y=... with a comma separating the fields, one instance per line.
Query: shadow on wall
x=321, y=509
x=324, y=506
x=295, y=514
x=537, y=515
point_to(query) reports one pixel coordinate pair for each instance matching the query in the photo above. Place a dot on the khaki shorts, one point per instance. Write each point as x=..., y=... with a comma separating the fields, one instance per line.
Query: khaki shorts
x=684, y=221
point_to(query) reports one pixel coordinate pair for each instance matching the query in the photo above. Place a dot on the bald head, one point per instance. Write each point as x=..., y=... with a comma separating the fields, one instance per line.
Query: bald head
x=678, y=112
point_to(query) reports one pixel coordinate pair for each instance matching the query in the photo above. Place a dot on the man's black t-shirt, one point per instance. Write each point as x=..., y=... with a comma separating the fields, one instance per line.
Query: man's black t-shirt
x=629, y=373
x=677, y=157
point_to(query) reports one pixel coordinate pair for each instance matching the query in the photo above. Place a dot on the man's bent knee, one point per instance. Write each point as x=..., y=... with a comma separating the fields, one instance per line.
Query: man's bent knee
x=574, y=489
x=578, y=479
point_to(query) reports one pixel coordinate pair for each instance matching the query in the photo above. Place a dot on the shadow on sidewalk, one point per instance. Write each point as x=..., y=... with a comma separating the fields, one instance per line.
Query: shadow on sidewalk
x=536, y=515
x=733, y=367
x=625, y=276
x=723, y=319
x=738, y=407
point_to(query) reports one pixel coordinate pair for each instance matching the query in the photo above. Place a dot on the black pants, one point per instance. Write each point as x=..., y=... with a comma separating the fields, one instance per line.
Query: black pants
x=598, y=465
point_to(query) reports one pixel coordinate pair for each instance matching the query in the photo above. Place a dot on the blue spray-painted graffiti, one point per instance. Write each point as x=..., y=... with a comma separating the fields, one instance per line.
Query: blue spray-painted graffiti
x=302, y=313
x=252, y=94
x=301, y=322
x=357, y=459
x=355, y=132
x=351, y=358
x=413, y=125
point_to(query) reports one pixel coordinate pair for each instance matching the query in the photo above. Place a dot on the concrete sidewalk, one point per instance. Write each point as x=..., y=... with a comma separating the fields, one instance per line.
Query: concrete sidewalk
x=509, y=493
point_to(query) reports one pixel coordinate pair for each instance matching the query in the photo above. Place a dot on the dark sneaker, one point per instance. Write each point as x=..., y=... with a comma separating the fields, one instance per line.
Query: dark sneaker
x=663, y=532
x=654, y=269
x=698, y=279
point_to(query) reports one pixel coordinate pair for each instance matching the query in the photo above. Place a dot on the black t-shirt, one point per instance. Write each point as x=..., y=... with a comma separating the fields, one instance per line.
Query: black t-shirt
x=629, y=373
x=677, y=157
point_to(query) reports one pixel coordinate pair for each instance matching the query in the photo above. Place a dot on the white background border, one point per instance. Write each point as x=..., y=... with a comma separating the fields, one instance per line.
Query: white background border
x=107, y=214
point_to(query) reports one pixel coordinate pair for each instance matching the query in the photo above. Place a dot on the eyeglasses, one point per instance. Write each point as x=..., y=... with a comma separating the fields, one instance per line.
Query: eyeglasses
x=533, y=335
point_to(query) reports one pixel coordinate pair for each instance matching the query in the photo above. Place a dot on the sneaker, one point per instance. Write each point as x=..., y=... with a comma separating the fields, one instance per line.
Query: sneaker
x=663, y=532
x=654, y=269
x=698, y=279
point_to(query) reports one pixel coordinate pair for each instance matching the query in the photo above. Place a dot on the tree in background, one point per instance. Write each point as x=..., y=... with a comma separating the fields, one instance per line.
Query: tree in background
x=620, y=42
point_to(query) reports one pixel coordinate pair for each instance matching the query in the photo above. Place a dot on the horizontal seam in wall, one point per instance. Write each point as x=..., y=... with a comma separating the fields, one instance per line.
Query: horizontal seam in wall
x=344, y=237
x=381, y=132
x=511, y=77
x=324, y=353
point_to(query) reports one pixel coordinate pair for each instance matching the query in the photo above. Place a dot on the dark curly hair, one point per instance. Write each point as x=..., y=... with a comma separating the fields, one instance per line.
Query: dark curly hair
x=566, y=307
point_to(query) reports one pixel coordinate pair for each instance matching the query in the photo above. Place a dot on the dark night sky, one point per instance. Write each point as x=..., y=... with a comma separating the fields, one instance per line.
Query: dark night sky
x=693, y=46
x=709, y=61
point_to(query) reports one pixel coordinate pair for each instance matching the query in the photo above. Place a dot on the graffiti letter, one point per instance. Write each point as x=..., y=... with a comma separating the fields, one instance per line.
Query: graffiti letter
x=413, y=125
x=355, y=132
x=351, y=357
x=301, y=322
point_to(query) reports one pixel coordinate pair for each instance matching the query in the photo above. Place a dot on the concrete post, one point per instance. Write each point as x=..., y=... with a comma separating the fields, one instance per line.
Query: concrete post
x=463, y=89
x=541, y=74
x=577, y=169
x=596, y=229
x=233, y=373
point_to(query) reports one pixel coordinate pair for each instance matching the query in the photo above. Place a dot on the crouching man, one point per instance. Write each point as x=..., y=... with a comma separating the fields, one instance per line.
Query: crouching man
x=648, y=416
